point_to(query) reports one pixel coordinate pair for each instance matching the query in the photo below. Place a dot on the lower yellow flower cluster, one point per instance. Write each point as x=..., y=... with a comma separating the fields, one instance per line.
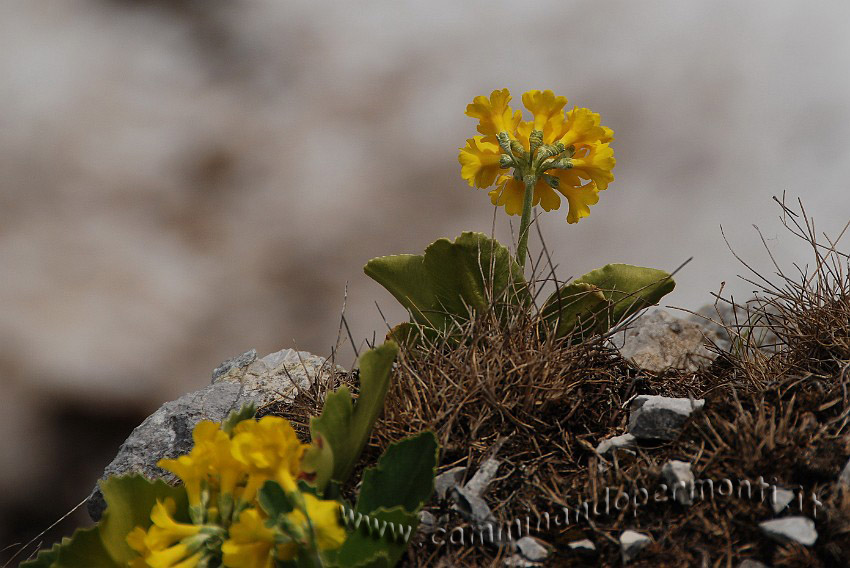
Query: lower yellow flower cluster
x=224, y=524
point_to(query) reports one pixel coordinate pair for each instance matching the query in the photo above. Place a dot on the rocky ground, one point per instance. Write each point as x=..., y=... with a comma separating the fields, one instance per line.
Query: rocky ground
x=672, y=424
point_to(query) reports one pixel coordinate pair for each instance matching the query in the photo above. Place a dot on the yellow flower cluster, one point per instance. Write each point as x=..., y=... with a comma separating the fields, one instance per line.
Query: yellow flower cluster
x=578, y=172
x=222, y=476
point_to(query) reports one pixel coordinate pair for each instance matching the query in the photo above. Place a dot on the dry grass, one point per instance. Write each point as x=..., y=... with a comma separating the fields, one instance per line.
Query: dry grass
x=778, y=411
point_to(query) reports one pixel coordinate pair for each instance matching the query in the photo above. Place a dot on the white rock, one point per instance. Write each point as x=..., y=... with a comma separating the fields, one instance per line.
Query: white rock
x=791, y=529
x=482, y=478
x=780, y=498
x=584, y=546
x=616, y=443
x=631, y=543
x=680, y=480
x=517, y=561
x=750, y=563
x=531, y=549
x=660, y=417
x=659, y=341
x=167, y=433
x=448, y=480
x=427, y=522
x=844, y=477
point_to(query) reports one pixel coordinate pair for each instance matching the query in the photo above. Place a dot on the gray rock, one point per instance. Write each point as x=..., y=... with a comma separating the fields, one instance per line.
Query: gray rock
x=750, y=563
x=471, y=506
x=844, y=476
x=631, y=543
x=747, y=320
x=583, y=546
x=448, y=480
x=517, y=561
x=481, y=480
x=791, y=529
x=167, y=433
x=659, y=341
x=780, y=498
x=616, y=443
x=236, y=364
x=659, y=417
x=427, y=522
x=531, y=549
x=680, y=479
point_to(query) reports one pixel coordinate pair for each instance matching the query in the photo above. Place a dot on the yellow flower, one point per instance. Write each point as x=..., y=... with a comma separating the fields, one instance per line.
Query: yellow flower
x=167, y=543
x=595, y=163
x=325, y=518
x=136, y=541
x=577, y=160
x=268, y=449
x=509, y=193
x=580, y=198
x=250, y=543
x=494, y=114
x=544, y=105
x=191, y=471
x=165, y=531
x=233, y=469
x=480, y=162
x=195, y=468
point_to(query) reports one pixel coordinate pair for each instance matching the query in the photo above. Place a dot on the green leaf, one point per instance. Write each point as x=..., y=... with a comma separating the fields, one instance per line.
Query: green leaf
x=236, y=416
x=45, y=557
x=346, y=427
x=451, y=279
x=403, y=477
x=273, y=499
x=84, y=549
x=604, y=297
x=129, y=500
x=318, y=462
x=379, y=539
x=391, y=496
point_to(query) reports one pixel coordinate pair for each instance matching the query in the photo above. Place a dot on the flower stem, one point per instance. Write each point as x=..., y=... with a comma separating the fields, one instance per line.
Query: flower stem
x=525, y=222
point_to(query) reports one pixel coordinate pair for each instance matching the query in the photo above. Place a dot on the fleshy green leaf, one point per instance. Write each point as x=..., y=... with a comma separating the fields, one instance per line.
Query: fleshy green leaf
x=236, y=416
x=404, y=475
x=377, y=540
x=451, y=279
x=318, y=462
x=45, y=557
x=391, y=496
x=84, y=549
x=346, y=426
x=129, y=500
x=604, y=297
x=273, y=500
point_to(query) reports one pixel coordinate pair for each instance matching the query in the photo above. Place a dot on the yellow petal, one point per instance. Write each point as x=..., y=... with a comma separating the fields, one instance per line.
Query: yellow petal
x=479, y=161
x=191, y=471
x=508, y=194
x=325, y=517
x=595, y=163
x=580, y=199
x=250, y=543
x=544, y=105
x=549, y=200
x=494, y=114
x=582, y=126
x=165, y=530
x=269, y=448
x=176, y=556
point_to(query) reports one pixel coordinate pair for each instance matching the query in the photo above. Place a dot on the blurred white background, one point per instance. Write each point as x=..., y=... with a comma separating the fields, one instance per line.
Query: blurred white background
x=185, y=180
